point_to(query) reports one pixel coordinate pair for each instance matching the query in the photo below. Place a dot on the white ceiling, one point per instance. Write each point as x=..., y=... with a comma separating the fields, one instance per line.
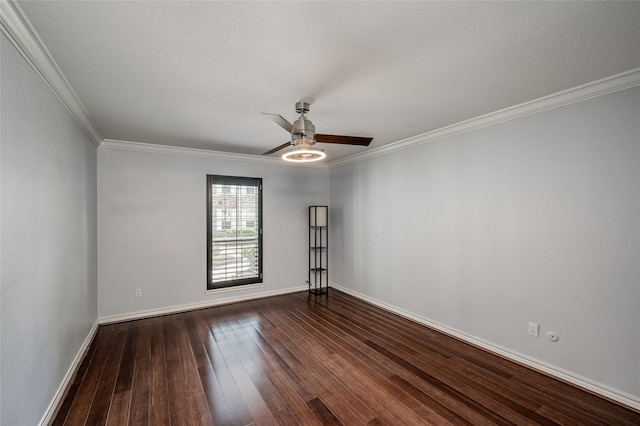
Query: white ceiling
x=198, y=74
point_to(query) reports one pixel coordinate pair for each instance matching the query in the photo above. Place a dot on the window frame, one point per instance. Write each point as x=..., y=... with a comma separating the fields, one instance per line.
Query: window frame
x=223, y=181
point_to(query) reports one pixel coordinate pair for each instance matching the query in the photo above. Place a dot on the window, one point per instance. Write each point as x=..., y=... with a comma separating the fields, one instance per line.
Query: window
x=234, y=249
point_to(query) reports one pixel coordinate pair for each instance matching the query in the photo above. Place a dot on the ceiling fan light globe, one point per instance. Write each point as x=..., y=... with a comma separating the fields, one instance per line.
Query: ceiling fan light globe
x=303, y=141
x=304, y=154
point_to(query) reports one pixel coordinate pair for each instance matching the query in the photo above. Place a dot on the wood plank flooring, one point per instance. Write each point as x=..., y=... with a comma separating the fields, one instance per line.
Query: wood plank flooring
x=311, y=360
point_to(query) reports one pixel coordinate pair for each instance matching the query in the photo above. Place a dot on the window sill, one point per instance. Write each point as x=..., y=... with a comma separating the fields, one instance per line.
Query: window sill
x=234, y=288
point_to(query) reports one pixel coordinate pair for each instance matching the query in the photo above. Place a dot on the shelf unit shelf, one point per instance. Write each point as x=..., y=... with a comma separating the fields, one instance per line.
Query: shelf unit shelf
x=318, y=250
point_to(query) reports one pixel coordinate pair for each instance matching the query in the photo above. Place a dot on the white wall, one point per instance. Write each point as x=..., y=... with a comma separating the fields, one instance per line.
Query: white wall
x=152, y=227
x=48, y=278
x=535, y=219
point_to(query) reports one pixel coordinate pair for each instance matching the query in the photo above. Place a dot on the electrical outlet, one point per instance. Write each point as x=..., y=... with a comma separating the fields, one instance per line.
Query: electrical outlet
x=534, y=329
x=138, y=292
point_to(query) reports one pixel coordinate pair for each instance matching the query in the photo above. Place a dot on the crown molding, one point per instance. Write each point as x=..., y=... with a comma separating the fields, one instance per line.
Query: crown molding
x=601, y=87
x=16, y=27
x=202, y=153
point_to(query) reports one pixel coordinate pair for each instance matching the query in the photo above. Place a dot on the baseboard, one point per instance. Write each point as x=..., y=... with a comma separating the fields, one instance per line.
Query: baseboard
x=49, y=415
x=199, y=305
x=545, y=368
x=62, y=389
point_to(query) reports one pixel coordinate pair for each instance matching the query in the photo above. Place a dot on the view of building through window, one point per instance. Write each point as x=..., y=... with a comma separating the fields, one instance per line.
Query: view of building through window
x=235, y=235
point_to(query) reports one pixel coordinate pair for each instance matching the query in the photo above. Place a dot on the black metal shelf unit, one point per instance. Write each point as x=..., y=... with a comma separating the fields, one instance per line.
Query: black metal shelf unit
x=318, y=250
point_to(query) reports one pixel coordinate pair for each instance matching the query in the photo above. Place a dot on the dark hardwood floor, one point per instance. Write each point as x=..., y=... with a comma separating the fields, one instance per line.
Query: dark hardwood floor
x=301, y=359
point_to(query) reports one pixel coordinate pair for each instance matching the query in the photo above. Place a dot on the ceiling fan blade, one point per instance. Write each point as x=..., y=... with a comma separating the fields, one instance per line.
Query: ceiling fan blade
x=284, y=145
x=280, y=121
x=344, y=140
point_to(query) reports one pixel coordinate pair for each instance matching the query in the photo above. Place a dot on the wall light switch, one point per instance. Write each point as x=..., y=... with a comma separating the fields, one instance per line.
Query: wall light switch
x=138, y=292
x=534, y=329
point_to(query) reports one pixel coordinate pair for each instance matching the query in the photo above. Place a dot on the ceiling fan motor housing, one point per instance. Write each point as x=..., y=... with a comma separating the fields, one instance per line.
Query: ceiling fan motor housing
x=304, y=136
x=304, y=132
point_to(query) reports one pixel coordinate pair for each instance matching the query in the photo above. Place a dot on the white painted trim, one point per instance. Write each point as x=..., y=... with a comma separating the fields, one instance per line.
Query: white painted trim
x=601, y=87
x=199, y=305
x=575, y=379
x=48, y=417
x=234, y=288
x=71, y=372
x=202, y=153
x=18, y=29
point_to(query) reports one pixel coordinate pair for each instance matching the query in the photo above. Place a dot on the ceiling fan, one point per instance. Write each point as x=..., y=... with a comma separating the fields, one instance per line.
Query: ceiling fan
x=304, y=136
